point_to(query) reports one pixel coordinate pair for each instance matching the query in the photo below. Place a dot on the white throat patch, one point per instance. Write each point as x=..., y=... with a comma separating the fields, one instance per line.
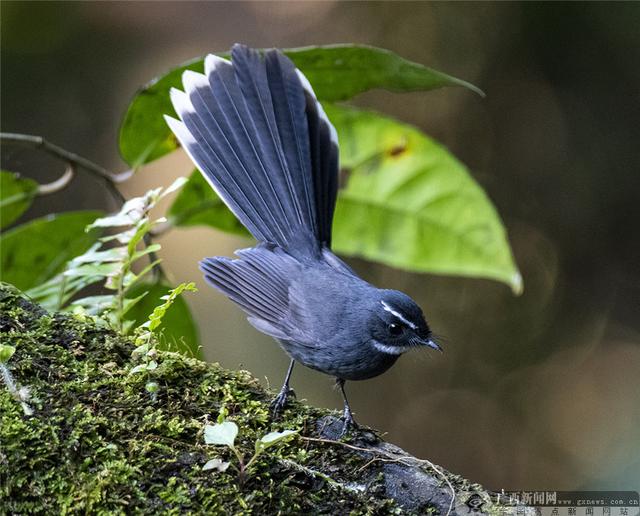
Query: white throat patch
x=397, y=314
x=389, y=350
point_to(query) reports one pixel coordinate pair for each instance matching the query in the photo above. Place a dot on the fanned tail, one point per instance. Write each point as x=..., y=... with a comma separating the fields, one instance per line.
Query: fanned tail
x=256, y=132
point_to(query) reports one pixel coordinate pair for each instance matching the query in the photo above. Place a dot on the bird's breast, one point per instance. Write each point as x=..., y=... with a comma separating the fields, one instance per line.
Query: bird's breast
x=342, y=359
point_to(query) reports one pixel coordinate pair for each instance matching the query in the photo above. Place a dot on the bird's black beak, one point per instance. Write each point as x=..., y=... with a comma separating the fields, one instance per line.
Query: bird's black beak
x=432, y=344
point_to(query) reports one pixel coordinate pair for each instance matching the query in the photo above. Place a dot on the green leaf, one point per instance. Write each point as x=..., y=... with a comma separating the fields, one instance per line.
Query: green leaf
x=410, y=204
x=16, y=194
x=197, y=204
x=131, y=278
x=155, y=318
x=34, y=252
x=136, y=234
x=273, y=438
x=173, y=187
x=93, y=269
x=336, y=72
x=53, y=294
x=216, y=464
x=138, y=369
x=142, y=348
x=152, y=387
x=95, y=305
x=128, y=304
x=115, y=254
x=223, y=434
x=153, y=248
x=130, y=213
x=6, y=352
x=178, y=331
x=339, y=72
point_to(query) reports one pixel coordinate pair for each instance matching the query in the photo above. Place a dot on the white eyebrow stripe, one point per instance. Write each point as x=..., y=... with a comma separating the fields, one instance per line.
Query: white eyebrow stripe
x=389, y=350
x=398, y=315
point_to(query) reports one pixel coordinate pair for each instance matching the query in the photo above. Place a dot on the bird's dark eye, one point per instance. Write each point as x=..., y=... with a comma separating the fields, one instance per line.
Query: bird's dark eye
x=395, y=329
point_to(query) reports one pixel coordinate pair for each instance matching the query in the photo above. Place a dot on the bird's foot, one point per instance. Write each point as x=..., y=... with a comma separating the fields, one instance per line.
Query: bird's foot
x=279, y=403
x=348, y=423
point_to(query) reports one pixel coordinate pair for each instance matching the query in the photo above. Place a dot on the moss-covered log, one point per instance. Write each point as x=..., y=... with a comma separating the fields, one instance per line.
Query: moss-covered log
x=99, y=442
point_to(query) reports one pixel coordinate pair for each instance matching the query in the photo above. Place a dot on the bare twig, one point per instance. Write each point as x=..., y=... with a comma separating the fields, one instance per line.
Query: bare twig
x=314, y=473
x=384, y=456
x=446, y=480
x=20, y=394
x=75, y=162
x=331, y=441
x=38, y=142
x=60, y=183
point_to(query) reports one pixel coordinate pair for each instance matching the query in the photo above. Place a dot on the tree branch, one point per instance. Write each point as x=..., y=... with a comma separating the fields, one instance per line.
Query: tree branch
x=38, y=142
x=75, y=162
x=60, y=183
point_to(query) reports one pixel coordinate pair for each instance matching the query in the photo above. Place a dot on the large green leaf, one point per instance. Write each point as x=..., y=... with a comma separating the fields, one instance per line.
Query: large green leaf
x=34, y=252
x=178, y=331
x=197, y=204
x=407, y=203
x=337, y=72
x=16, y=194
x=410, y=204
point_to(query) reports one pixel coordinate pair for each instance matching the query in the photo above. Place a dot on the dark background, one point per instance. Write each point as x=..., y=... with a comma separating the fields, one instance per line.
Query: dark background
x=533, y=392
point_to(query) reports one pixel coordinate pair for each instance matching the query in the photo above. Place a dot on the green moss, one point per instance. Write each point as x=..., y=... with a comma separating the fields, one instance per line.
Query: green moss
x=98, y=441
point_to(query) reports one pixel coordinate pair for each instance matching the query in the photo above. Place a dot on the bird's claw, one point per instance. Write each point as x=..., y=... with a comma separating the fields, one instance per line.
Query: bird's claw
x=349, y=424
x=279, y=403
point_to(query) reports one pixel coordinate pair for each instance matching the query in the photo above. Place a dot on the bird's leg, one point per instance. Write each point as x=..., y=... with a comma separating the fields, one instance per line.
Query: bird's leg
x=347, y=416
x=280, y=401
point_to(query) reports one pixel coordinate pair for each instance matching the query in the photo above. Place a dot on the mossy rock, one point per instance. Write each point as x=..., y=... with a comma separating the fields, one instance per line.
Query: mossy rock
x=99, y=442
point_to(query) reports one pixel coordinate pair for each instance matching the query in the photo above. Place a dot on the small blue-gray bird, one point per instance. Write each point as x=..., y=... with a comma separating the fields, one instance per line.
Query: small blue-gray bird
x=259, y=136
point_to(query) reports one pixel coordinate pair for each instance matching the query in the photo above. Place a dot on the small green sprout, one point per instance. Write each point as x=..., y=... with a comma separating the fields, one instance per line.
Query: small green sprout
x=6, y=352
x=224, y=433
x=217, y=464
x=145, y=342
x=20, y=394
x=155, y=318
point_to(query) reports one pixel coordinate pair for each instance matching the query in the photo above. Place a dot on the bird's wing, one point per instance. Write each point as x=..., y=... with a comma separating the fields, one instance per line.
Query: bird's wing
x=258, y=281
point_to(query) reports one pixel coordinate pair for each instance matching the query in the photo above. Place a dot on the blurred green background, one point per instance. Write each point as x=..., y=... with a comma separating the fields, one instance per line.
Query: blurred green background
x=540, y=391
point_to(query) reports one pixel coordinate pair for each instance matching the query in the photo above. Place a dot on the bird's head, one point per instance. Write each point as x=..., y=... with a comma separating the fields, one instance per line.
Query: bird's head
x=398, y=324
